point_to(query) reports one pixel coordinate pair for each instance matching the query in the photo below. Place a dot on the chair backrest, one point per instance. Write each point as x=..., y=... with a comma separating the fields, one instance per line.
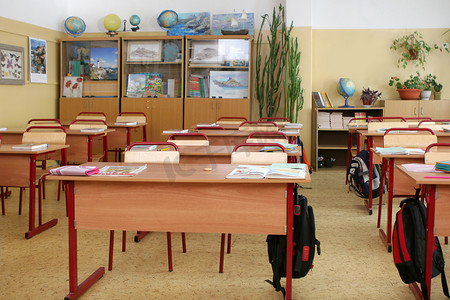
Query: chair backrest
x=189, y=139
x=139, y=117
x=44, y=122
x=44, y=134
x=432, y=157
x=267, y=137
x=256, y=157
x=416, y=139
x=231, y=120
x=87, y=123
x=436, y=125
x=171, y=156
x=373, y=126
x=258, y=126
x=277, y=120
x=358, y=122
x=91, y=116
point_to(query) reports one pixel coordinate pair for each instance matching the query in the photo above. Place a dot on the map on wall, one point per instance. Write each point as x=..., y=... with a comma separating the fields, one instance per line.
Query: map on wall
x=192, y=24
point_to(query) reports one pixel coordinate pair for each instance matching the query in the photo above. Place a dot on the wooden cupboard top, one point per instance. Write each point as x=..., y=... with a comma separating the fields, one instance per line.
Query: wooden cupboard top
x=176, y=173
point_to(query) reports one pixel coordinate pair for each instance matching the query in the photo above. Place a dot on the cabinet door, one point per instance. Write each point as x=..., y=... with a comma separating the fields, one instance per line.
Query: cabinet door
x=401, y=108
x=166, y=113
x=199, y=111
x=109, y=106
x=70, y=107
x=138, y=105
x=435, y=109
x=233, y=108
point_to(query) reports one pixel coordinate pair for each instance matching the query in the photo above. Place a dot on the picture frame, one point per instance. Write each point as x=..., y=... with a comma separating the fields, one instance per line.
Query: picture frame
x=38, y=60
x=12, y=64
x=144, y=51
x=228, y=84
x=206, y=52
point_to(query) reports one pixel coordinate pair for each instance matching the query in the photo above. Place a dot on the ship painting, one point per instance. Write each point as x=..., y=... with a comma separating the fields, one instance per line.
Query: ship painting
x=233, y=24
x=229, y=84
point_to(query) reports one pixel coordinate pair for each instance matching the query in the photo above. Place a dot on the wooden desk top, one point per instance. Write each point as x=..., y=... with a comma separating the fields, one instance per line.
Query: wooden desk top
x=112, y=125
x=365, y=132
x=227, y=132
x=419, y=177
x=221, y=150
x=397, y=155
x=69, y=131
x=7, y=149
x=177, y=173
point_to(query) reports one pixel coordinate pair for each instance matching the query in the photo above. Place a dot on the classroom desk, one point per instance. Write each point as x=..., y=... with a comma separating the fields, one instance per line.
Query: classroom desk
x=82, y=144
x=402, y=183
x=236, y=126
x=375, y=139
x=438, y=217
x=217, y=154
x=231, y=137
x=19, y=170
x=254, y=206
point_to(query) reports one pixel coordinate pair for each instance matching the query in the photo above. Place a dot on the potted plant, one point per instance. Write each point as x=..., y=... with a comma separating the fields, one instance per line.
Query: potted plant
x=437, y=90
x=368, y=97
x=427, y=85
x=413, y=48
x=409, y=89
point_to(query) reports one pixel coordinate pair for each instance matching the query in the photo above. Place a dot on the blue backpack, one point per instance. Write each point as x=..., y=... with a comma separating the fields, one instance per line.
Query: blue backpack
x=358, y=176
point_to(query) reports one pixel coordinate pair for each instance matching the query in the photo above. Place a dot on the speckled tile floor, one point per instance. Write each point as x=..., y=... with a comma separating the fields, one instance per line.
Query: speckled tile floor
x=354, y=263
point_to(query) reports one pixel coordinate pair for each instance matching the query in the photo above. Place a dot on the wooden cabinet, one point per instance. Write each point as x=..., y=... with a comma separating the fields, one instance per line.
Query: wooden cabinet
x=332, y=142
x=153, y=69
x=218, y=74
x=89, y=76
x=436, y=109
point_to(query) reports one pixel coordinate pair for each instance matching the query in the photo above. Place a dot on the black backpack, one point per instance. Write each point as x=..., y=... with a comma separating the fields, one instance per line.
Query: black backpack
x=358, y=176
x=408, y=246
x=305, y=242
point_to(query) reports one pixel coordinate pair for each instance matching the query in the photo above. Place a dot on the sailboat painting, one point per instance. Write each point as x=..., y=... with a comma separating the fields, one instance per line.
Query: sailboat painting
x=235, y=23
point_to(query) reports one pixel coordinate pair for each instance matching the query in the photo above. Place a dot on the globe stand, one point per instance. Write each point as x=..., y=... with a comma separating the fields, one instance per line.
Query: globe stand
x=346, y=101
x=135, y=28
x=111, y=33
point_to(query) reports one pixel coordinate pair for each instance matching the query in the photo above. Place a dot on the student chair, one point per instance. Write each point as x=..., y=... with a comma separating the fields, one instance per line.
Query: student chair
x=125, y=117
x=415, y=139
x=250, y=157
x=277, y=120
x=435, y=124
x=44, y=122
x=267, y=137
x=150, y=157
x=386, y=122
x=88, y=123
x=231, y=120
x=258, y=126
x=91, y=115
x=189, y=139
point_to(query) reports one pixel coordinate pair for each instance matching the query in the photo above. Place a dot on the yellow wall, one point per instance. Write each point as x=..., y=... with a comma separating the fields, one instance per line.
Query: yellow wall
x=19, y=103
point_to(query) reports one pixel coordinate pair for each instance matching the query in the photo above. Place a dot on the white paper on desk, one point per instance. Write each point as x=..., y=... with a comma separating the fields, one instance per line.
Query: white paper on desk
x=419, y=168
x=415, y=151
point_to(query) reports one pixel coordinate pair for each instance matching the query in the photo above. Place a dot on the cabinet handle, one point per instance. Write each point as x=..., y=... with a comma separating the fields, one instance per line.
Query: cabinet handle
x=421, y=111
x=415, y=111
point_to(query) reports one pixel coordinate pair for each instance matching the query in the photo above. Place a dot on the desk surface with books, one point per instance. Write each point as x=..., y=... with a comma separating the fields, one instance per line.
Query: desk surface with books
x=18, y=169
x=151, y=201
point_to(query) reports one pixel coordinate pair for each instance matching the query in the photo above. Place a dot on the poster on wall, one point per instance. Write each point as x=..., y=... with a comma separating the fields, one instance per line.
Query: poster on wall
x=38, y=60
x=192, y=24
x=11, y=65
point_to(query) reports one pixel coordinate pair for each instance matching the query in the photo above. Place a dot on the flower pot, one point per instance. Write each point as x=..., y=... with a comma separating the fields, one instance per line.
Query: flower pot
x=425, y=95
x=409, y=94
x=437, y=95
x=413, y=54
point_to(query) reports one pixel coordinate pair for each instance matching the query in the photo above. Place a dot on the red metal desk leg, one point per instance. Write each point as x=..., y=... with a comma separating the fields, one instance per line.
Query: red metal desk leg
x=32, y=230
x=289, y=243
x=105, y=148
x=387, y=236
x=89, y=148
x=380, y=201
x=75, y=290
x=349, y=151
x=429, y=237
x=369, y=202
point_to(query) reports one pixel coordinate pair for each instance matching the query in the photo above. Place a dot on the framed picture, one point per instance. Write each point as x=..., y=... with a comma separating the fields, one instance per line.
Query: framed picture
x=144, y=51
x=197, y=23
x=38, y=60
x=104, y=64
x=206, y=52
x=73, y=87
x=11, y=67
x=228, y=84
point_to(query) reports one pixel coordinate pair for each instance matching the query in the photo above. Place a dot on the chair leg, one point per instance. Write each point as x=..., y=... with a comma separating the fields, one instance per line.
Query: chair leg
x=3, y=200
x=124, y=241
x=59, y=190
x=40, y=202
x=183, y=241
x=169, y=251
x=446, y=240
x=111, y=249
x=222, y=252
x=229, y=243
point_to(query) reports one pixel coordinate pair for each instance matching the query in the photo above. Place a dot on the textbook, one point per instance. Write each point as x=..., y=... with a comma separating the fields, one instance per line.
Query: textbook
x=290, y=130
x=293, y=125
x=30, y=147
x=120, y=170
x=144, y=148
x=443, y=166
x=92, y=129
x=289, y=148
x=126, y=123
x=75, y=170
x=260, y=172
x=276, y=172
x=176, y=131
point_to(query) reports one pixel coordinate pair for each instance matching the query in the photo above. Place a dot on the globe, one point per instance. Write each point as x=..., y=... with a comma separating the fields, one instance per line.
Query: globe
x=346, y=88
x=135, y=20
x=112, y=22
x=74, y=26
x=167, y=19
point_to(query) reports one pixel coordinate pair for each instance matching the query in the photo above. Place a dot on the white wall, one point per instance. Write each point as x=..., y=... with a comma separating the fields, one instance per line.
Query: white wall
x=380, y=14
x=298, y=12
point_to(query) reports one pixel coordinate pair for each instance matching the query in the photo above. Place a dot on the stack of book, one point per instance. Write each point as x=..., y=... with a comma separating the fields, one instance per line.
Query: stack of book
x=198, y=86
x=32, y=147
x=323, y=119
x=274, y=171
x=443, y=166
x=336, y=120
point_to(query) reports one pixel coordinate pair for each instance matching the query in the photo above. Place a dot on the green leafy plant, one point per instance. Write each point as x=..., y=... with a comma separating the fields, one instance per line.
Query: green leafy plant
x=413, y=48
x=293, y=92
x=413, y=82
x=429, y=82
x=438, y=87
x=369, y=97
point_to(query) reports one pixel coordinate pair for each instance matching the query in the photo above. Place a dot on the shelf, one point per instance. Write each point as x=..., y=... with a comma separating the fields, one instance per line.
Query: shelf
x=212, y=66
x=332, y=147
x=154, y=63
x=332, y=129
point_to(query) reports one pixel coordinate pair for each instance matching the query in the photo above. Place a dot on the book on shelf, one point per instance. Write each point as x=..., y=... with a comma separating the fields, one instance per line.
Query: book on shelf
x=176, y=131
x=323, y=119
x=324, y=97
x=126, y=123
x=30, y=146
x=361, y=114
x=92, y=129
x=136, y=85
x=260, y=172
x=318, y=101
x=75, y=170
x=328, y=100
x=120, y=170
x=171, y=92
x=73, y=87
x=154, y=84
x=336, y=120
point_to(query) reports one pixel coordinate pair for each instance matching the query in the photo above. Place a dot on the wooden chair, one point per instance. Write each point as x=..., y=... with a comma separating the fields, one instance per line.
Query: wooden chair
x=88, y=123
x=267, y=137
x=436, y=124
x=415, y=139
x=277, y=120
x=250, y=158
x=125, y=117
x=231, y=120
x=150, y=157
x=414, y=121
x=258, y=126
x=91, y=115
x=189, y=139
x=386, y=122
x=44, y=122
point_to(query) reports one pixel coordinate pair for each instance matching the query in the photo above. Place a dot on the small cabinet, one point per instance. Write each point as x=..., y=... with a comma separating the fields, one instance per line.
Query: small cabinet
x=90, y=76
x=153, y=70
x=436, y=109
x=217, y=80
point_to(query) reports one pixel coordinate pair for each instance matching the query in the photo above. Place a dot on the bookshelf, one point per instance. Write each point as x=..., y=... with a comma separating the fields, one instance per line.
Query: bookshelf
x=217, y=78
x=331, y=141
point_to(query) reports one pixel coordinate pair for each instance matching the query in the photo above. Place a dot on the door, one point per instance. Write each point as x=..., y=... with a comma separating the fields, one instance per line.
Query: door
x=199, y=110
x=401, y=108
x=233, y=108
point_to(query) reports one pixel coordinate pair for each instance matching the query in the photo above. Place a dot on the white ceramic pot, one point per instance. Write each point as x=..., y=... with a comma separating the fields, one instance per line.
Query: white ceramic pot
x=425, y=95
